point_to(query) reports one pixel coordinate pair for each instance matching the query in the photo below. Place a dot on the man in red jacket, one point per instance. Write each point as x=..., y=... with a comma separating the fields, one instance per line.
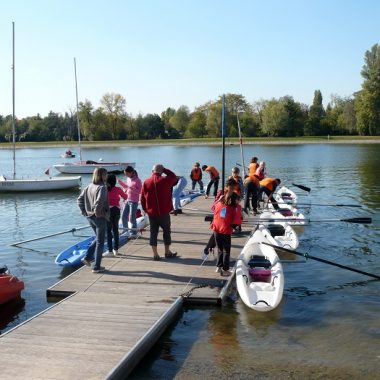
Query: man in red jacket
x=156, y=201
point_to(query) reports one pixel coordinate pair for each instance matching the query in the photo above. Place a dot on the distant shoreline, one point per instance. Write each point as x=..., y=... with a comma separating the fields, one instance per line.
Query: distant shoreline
x=228, y=142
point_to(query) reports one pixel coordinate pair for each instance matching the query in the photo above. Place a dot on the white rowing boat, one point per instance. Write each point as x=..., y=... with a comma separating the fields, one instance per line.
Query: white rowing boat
x=285, y=195
x=259, y=274
x=279, y=233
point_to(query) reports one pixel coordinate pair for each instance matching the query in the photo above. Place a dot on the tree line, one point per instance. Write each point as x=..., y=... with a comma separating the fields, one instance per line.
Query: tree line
x=358, y=114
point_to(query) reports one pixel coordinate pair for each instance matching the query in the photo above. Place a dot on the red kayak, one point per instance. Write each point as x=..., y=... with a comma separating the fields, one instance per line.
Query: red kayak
x=10, y=287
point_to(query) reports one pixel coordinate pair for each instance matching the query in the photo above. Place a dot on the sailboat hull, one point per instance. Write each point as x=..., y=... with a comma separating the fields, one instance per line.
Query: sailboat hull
x=43, y=184
x=84, y=168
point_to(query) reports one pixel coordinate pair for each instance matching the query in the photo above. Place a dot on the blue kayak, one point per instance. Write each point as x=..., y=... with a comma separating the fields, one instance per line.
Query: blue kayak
x=73, y=255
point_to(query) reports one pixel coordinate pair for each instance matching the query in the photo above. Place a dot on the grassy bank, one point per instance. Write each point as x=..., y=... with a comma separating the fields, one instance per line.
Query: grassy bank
x=206, y=141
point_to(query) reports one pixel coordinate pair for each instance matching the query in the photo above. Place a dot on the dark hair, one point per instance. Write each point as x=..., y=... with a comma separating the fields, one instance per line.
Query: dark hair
x=130, y=169
x=278, y=180
x=204, y=167
x=230, y=200
x=230, y=182
x=254, y=159
x=111, y=181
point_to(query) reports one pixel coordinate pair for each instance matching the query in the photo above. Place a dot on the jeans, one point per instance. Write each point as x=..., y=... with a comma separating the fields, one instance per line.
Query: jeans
x=177, y=190
x=156, y=222
x=251, y=190
x=96, y=248
x=223, y=242
x=129, y=214
x=214, y=182
x=199, y=182
x=113, y=229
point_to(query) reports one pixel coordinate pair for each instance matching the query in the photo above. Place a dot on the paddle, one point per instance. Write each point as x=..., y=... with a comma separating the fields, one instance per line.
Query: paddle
x=326, y=204
x=307, y=256
x=347, y=220
x=302, y=187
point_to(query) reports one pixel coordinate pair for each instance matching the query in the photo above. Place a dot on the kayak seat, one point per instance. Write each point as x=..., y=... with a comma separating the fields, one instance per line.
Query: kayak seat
x=286, y=195
x=260, y=275
x=276, y=229
x=259, y=261
x=285, y=212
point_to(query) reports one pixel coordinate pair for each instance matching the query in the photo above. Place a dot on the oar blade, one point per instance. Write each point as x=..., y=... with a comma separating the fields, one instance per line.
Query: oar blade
x=358, y=220
x=302, y=187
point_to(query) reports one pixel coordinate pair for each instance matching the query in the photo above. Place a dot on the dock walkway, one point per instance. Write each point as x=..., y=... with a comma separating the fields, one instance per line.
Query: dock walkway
x=109, y=321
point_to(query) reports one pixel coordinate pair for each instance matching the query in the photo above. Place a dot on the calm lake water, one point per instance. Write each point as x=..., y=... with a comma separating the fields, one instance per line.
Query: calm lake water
x=327, y=325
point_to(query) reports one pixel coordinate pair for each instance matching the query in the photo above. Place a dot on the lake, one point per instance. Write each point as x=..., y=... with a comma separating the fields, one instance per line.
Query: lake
x=327, y=325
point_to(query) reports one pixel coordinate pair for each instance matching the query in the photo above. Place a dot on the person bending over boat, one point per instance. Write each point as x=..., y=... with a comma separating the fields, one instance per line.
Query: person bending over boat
x=269, y=186
x=177, y=191
x=196, y=177
x=93, y=203
x=227, y=214
x=156, y=201
x=214, y=179
x=114, y=195
x=132, y=187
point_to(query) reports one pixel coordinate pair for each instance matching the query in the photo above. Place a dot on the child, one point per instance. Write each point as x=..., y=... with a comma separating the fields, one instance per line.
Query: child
x=114, y=195
x=227, y=213
x=132, y=186
x=196, y=177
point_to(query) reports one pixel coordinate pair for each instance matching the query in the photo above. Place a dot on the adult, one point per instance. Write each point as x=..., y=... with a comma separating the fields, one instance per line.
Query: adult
x=251, y=192
x=132, y=187
x=177, y=191
x=93, y=203
x=214, y=179
x=196, y=177
x=156, y=201
x=253, y=165
x=114, y=195
x=268, y=186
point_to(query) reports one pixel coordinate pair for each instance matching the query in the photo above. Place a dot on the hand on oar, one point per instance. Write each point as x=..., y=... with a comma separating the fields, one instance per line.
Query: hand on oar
x=307, y=256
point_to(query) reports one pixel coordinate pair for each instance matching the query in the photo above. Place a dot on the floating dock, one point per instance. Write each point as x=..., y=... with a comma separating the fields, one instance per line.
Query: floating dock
x=107, y=322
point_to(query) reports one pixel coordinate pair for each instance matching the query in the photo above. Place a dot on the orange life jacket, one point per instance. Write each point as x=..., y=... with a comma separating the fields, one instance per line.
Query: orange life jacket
x=196, y=174
x=269, y=183
x=253, y=167
x=213, y=172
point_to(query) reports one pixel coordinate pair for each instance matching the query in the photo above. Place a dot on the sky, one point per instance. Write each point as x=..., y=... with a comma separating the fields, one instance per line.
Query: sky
x=167, y=53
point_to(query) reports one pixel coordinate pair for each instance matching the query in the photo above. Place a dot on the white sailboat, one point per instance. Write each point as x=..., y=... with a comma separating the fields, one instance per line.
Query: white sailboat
x=14, y=184
x=87, y=167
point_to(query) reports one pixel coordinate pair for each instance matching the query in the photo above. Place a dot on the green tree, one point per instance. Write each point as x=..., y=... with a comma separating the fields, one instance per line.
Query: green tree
x=114, y=109
x=197, y=125
x=295, y=119
x=180, y=120
x=87, y=127
x=316, y=113
x=275, y=118
x=367, y=103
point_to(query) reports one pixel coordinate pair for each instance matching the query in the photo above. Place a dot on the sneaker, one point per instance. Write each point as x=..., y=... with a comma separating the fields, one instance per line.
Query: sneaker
x=107, y=254
x=179, y=211
x=218, y=270
x=86, y=262
x=115, y=252
x=99, y=270
x=204, y=256
x=226, y=273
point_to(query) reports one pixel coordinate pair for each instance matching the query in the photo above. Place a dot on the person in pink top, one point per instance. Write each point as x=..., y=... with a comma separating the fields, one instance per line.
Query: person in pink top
x=114, y=195
x=132, y=187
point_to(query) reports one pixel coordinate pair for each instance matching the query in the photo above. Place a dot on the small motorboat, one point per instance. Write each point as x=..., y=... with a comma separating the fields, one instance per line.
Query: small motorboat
x=68, y=154
x=10, y=286
x=259, y=274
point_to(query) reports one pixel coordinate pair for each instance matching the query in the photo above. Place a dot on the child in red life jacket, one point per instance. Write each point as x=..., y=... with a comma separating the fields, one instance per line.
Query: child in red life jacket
x=227, y=214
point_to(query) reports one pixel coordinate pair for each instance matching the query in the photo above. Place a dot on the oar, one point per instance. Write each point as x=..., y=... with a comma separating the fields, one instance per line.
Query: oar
x=302, y=187
x=326, y=204
x=307, y=256
x=51, y=235
x=347, y=220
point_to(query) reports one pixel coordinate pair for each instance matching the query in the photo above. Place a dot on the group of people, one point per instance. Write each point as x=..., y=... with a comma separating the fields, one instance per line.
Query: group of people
x=99, y=202
x=160, y=195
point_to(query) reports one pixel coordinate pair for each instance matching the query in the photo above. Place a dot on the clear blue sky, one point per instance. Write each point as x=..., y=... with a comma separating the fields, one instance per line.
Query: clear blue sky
x=168, y=53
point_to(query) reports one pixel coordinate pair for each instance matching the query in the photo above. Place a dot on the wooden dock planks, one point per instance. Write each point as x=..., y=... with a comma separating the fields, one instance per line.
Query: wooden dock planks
x=112, y=319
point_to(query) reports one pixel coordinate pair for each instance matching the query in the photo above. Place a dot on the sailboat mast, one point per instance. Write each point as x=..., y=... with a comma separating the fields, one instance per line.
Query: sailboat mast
x=76, y=93
x=13, y=101
x=223, y=141
x=241, y=143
